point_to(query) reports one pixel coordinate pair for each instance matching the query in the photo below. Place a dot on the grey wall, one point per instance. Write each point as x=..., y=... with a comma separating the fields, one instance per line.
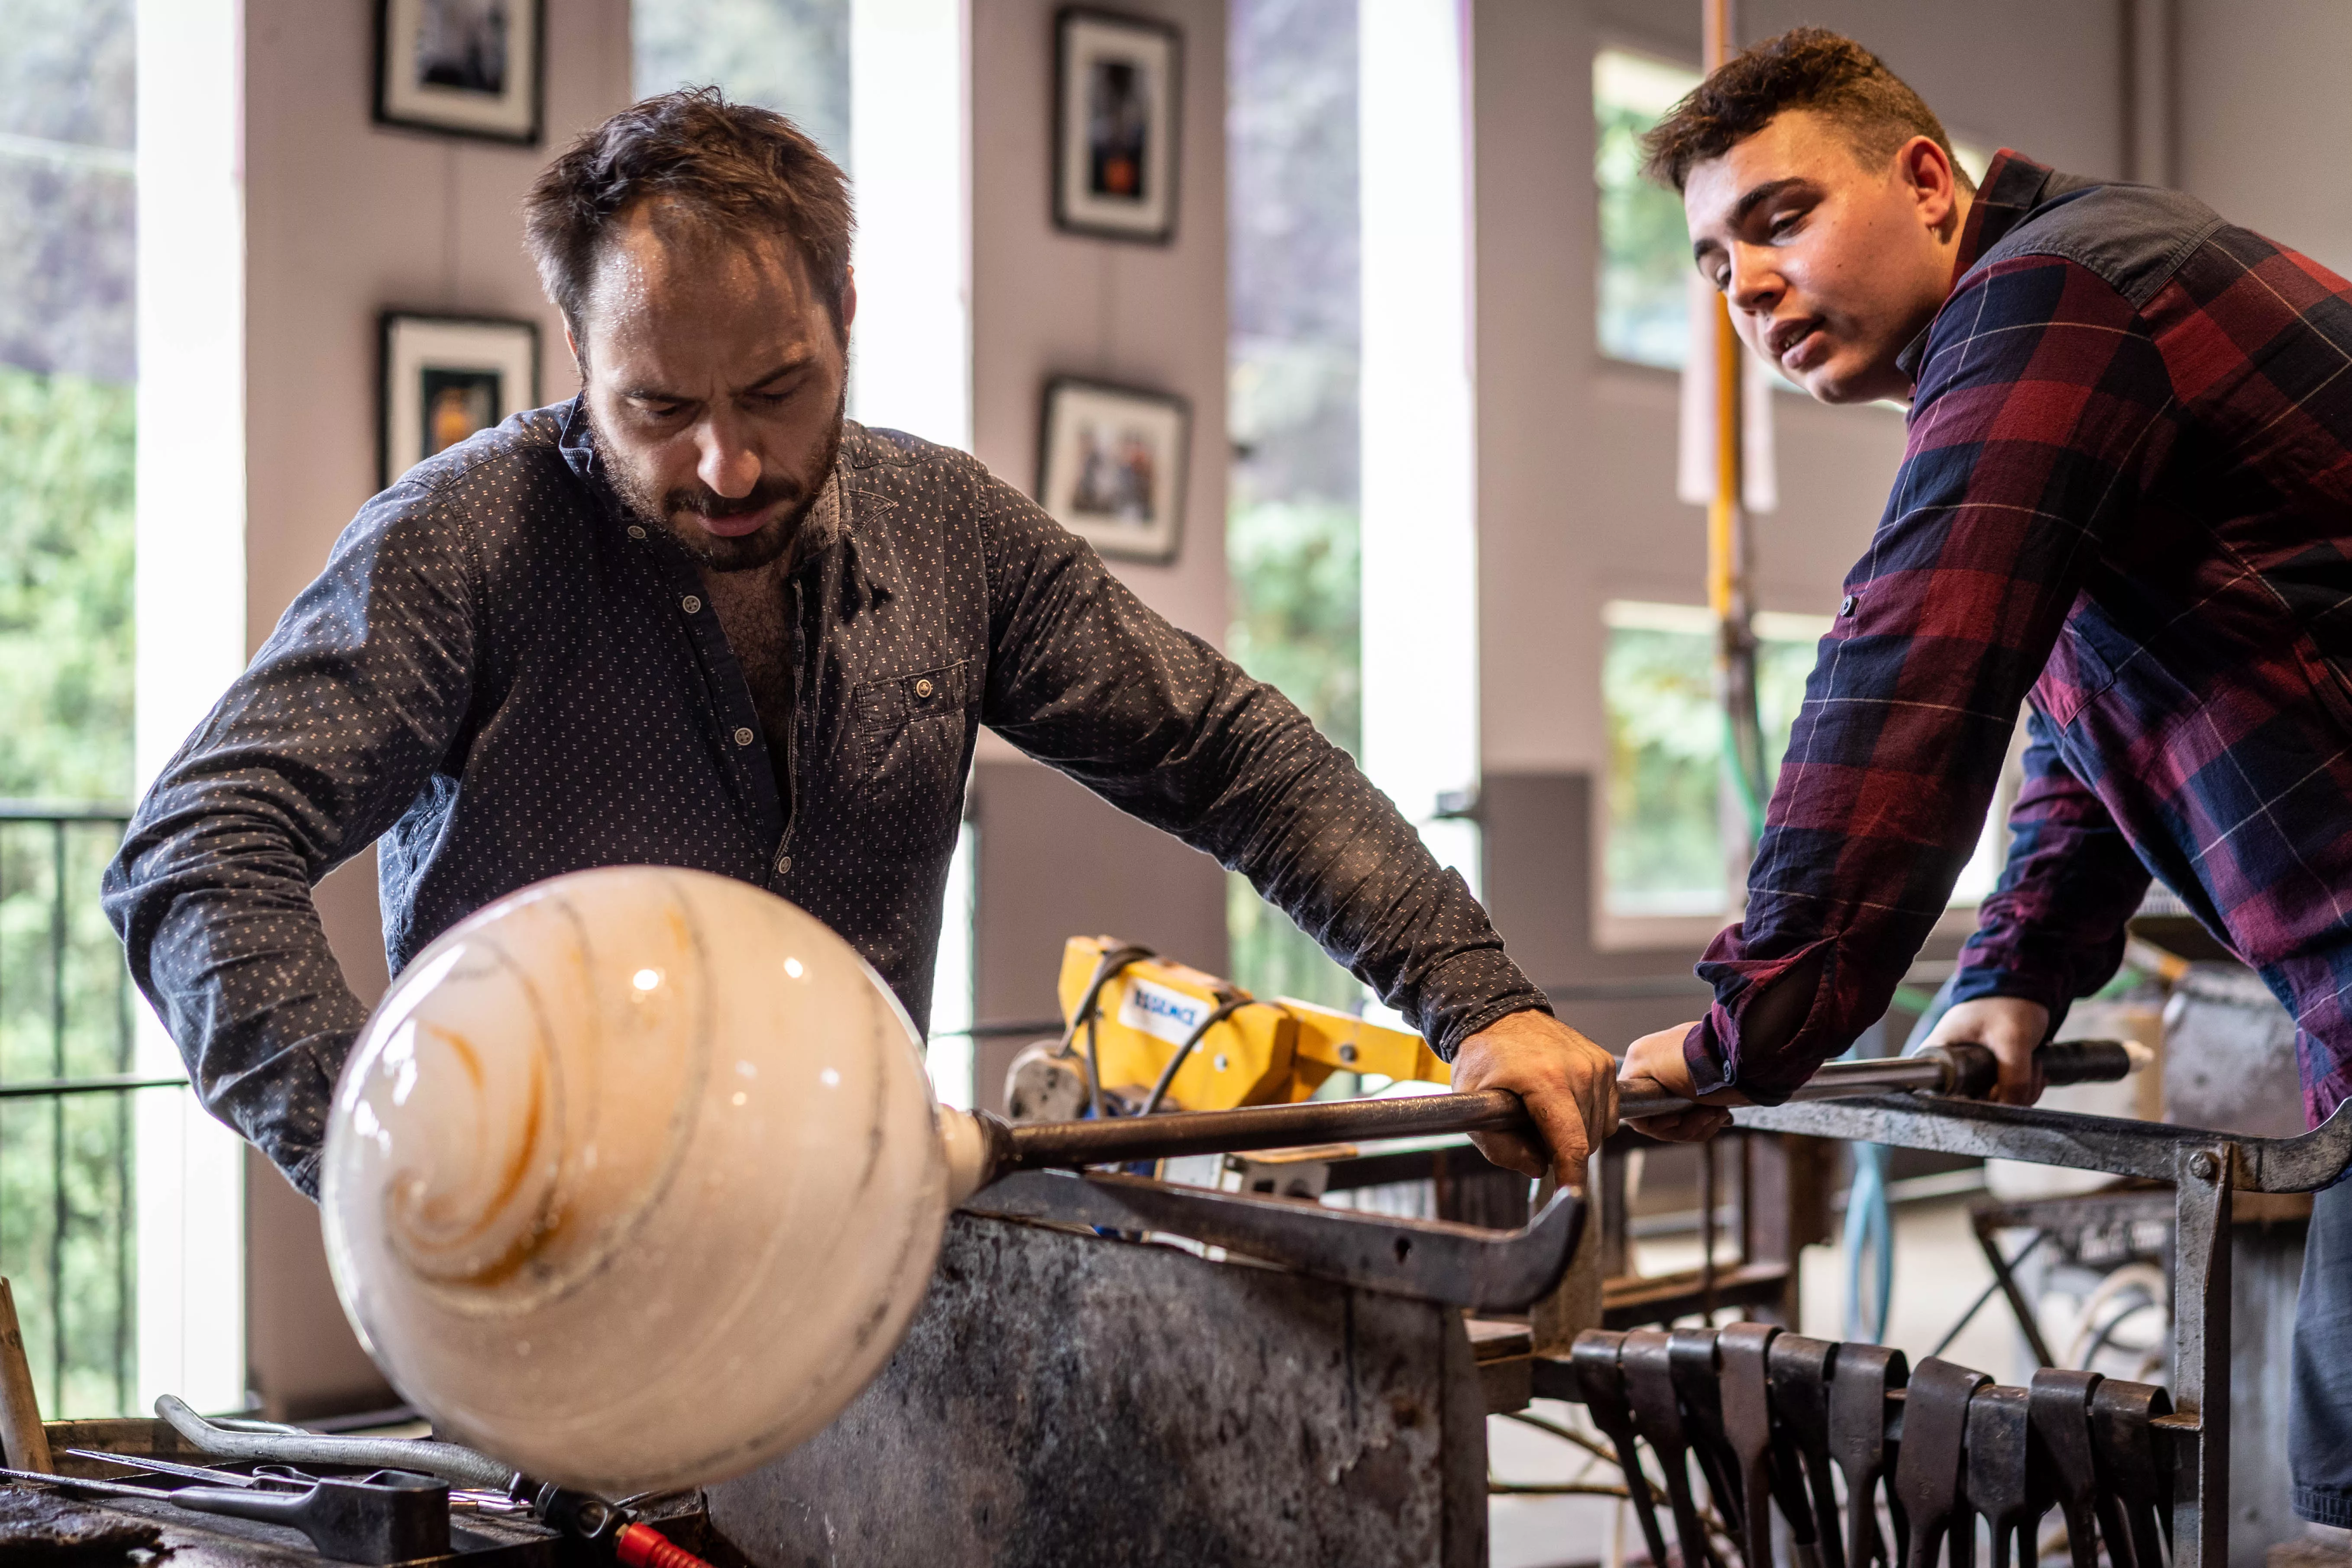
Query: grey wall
x=343, y=220
x=1079, y=867
x=1056, y=862
x=2263, y=115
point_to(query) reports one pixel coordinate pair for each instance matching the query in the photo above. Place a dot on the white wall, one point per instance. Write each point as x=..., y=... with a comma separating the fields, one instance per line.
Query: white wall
x=1047, y=304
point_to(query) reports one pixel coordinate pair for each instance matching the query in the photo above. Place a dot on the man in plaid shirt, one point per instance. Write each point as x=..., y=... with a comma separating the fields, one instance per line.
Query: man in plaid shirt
x=2126, y=504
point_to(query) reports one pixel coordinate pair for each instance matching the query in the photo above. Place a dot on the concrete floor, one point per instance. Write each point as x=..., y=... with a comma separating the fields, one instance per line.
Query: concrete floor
x=1938, y=1271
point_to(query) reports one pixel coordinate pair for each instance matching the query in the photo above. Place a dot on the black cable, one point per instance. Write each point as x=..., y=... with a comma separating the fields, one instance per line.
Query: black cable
x=1230, y=999
x=1109, y=964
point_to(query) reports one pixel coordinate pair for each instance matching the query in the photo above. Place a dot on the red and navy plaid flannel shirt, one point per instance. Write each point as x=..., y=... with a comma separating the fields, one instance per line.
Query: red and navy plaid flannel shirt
x=2126, y=500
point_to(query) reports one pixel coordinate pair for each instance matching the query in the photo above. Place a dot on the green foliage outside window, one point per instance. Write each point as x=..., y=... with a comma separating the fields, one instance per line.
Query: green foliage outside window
x=1291, y=534
x=66, y=456
x=1644, y=243
x=1665, y=850
x=68, y=356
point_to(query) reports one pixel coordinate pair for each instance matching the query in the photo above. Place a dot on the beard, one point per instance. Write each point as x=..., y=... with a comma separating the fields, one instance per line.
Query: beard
x=786, y=533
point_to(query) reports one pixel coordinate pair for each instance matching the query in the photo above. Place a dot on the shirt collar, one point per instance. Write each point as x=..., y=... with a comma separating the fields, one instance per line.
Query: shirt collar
x=2013, y=185
x=834, y=514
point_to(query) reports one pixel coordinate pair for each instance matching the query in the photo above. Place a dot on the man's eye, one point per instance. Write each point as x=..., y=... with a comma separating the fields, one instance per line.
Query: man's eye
x=1783, y=222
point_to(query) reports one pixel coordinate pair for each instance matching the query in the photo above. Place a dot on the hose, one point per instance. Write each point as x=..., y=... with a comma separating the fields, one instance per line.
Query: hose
x=1230, y=1001
x=1111, y=963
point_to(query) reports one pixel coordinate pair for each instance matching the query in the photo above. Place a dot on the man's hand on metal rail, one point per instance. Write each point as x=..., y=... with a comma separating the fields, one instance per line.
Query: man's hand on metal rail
x=1569, y=1084
x=1655, y=1064
x=2011, y=1029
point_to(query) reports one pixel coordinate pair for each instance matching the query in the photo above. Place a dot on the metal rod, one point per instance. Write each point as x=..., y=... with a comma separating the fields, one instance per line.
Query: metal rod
x=1108, y=1140
x=105, y=1083
x=60, y=1210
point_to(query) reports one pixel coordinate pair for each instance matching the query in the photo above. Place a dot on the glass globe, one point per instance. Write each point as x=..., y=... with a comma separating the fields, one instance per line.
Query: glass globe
x=635, y=1179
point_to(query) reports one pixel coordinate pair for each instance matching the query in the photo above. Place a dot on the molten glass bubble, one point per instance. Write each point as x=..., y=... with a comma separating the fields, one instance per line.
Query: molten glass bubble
x=634, y=1178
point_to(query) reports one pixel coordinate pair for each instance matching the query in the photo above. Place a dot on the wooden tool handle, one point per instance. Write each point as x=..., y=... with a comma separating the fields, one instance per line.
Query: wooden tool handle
x=21, y=1437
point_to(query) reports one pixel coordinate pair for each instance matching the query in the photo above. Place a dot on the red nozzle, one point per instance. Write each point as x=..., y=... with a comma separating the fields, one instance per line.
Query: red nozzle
x=641, y=1546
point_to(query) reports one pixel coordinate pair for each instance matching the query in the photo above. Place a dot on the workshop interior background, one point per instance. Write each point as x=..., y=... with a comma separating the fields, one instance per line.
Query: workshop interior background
x=197, y=243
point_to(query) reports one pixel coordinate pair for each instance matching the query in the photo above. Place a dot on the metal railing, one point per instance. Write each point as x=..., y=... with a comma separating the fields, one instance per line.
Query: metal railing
x=67, y=1225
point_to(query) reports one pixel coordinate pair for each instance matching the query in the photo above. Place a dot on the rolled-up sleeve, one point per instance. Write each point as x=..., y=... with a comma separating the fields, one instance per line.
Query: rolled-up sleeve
x=1082, y=676
x=315, y=751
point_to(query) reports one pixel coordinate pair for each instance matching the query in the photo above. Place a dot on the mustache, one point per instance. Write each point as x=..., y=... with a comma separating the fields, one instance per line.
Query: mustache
x=705, y=501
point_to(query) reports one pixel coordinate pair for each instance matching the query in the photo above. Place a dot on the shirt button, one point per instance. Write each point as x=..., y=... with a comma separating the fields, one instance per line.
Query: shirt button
x=1846, y=605
x=923, y=687
x=784, y=865
x=636, y=532
x=690, y=605
x=743, y=737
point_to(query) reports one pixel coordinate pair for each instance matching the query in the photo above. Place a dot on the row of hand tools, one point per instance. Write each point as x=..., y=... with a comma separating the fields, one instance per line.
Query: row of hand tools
x=1766, y=1417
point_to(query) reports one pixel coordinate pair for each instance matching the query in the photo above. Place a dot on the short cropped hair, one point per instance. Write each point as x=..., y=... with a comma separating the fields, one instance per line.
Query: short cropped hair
x=739, y=169
x=1804, y=68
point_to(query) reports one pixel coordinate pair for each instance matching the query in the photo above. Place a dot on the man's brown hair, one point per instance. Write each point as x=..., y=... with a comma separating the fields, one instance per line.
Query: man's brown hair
x=737, y=169
x=1804, y=68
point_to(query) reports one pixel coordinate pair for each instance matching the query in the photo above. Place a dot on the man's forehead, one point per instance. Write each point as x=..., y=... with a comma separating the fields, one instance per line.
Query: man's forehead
x=1794, y=145
x=656, y=251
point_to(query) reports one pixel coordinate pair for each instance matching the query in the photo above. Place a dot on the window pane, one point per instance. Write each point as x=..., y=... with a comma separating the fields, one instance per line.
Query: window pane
x=68, y=356
x=1645, y=243
x=1291, y=524
x=791, y=56
x=1664, y=854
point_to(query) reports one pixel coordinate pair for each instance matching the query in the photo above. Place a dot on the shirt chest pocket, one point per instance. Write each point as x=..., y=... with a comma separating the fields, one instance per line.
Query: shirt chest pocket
x=911, y=720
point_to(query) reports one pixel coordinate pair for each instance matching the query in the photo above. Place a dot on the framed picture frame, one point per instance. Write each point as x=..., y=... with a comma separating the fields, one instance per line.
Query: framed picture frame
x=1118, y=102
x=1110, y=466
x=447, y=377
x=463, y=67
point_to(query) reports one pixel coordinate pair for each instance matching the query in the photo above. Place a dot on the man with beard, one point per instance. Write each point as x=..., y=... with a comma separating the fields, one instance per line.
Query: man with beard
x=694, y=617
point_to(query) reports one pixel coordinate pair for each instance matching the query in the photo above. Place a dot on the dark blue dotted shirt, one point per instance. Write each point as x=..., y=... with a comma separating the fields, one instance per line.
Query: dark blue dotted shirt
x=500, y=678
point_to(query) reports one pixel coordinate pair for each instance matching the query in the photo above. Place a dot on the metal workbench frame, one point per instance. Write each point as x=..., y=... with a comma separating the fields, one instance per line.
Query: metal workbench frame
x=2204, y=1167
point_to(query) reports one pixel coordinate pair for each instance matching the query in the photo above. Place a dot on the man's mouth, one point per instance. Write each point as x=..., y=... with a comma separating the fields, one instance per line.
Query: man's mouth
x=1793, y=341
x=735, y=525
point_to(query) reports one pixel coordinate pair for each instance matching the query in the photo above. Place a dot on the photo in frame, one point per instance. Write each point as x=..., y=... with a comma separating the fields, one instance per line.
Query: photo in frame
x=447, y=377
x=1118, y=93
x=463, y=67
x=1111, y=466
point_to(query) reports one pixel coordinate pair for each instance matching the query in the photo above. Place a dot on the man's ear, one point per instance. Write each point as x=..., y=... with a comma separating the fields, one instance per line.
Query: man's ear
x=579, y=360
x=848, y=298
x=1928, y=170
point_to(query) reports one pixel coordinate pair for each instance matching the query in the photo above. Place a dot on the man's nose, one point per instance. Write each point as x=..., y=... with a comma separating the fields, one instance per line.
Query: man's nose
x=1756, y=286
x=724, y=460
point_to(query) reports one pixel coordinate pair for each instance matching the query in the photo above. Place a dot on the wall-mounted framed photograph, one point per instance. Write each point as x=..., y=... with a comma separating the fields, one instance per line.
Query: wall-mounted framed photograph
x=1111, y=466
x=1117, y=87
x=463, y=67
x=446, y=377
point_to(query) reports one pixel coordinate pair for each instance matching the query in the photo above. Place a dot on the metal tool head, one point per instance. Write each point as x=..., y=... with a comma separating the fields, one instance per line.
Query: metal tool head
x=2131, y=1467
x=2066, y=1469
x=1929, y=1477
x=1999, y=1456
x=1867, y=1377
x=1800, y=1371
x=1744, y=1352
x=1593, y=1358
x=2060, y=1401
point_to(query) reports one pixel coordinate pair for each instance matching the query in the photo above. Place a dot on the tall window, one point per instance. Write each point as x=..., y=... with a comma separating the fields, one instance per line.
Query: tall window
x=1294, y=356
x=67, y=366
x=1663, y=854
x=1645, y=243
x=791, y=56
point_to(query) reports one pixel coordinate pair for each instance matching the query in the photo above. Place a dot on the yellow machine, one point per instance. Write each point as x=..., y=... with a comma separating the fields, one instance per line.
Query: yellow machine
x=1235, y=1050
